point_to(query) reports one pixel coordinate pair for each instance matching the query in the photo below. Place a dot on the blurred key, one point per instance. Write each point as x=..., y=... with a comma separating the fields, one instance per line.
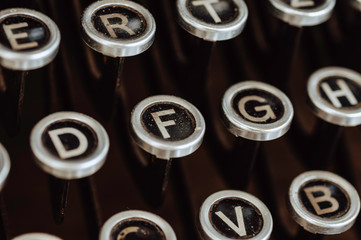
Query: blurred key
x=322, y=203
x=137, y=225
x=212, y=20
x=301, y=13
x=232, y=214
x=29, y=40
x=68, y=145
x=166, y=127
x=36, y=236
x=116, y=29
x=294, y=16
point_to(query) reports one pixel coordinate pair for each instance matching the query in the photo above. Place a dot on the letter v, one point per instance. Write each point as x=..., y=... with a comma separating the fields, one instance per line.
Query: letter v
x=241, y=229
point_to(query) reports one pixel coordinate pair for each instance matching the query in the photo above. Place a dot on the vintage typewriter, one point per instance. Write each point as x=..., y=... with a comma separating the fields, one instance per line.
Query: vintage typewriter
x=218, y=84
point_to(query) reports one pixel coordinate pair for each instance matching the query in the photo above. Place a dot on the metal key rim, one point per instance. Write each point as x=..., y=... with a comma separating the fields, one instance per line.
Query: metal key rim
x=301, y=17
x=212, y=32
x=36, y=236
x=4, y=166
x=323, y=109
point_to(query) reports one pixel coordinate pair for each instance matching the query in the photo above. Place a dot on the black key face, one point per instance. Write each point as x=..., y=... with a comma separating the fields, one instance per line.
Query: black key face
x=168, y=121
x=324, y=199
x=23, y=33
x=69, y=139
x=305, y=4
x=213, y=11
x=236, y=218
x=119, y=22
x=340, y=92
x=137, y=229
x=258, y=106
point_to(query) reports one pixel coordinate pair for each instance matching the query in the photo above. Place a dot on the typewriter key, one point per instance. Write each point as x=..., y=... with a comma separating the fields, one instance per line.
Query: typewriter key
x=137, y=225
x=36, y=236
x=323, y=203
x=116, y=29
x=68, y=145
x=28, y=40
x=212, y=20
x=166, y=127
x=334, y=95
x=255, y=112
x=209, y=21
x=302, y=13
x=232, y=214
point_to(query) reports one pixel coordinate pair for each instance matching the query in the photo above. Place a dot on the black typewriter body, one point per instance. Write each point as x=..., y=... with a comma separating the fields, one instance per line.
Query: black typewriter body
x=261, y=53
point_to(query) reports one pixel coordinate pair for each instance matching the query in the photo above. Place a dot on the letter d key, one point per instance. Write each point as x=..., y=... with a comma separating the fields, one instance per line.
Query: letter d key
x=68, y=145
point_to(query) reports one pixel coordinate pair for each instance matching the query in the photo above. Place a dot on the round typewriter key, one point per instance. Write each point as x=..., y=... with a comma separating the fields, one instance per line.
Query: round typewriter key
x=118, y=28
x=232, y=214
x=167, y=126
x=256, y=111
x=68, y=145
x=137, y=225
x=302, y=12
x=212, y=20
x=36, y=236
x=335, y=95
x=4, y=166
x=323, y=202
x=28, y=39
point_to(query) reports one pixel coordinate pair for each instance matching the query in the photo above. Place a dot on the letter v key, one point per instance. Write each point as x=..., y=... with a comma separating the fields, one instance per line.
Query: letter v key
x=240, y=229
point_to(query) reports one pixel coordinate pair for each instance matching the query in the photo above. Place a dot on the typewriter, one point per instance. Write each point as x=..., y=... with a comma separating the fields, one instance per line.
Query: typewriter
x=180, y=119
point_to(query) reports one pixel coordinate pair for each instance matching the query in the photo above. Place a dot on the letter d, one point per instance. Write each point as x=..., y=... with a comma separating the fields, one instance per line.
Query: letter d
x=62, y=151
